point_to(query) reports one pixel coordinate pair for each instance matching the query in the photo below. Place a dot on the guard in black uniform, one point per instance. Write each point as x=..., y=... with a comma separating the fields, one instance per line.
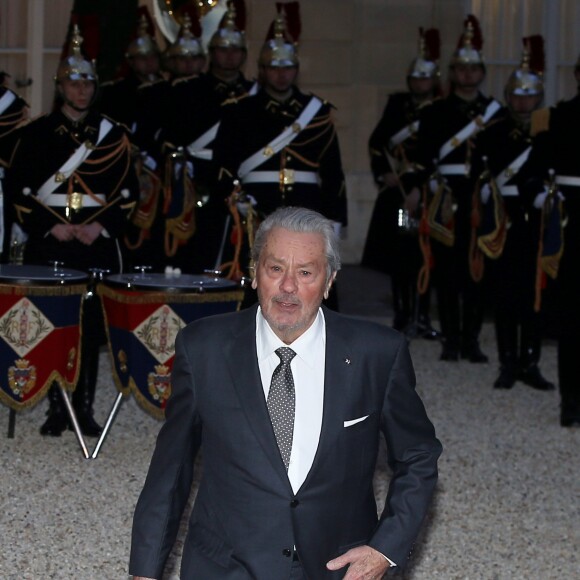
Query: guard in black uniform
x=502, y=149
x=13, y=112
x=281, y=144
x=146, y=239
x=558, y=150
x=74, y=186
x=446, y=140
x=392, y=242
x=119, y=98
x=188, y=142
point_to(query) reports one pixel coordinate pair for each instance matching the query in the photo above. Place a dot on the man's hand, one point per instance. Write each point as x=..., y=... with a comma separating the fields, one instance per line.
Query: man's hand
x=412, y=200
x=391, y=179
x=364, y=563
x=87, y=234
x=63, y=232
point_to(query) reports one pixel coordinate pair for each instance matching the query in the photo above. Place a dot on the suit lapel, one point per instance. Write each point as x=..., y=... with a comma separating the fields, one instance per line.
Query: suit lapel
x=338, y=380
x=239, y=349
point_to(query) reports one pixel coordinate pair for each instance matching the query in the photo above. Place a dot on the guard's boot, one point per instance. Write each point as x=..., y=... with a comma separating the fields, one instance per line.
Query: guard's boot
x=450, y=351
x=471, y=351
x=507, y=377
x=529, y=356
x=506, y=335
x=57, y=416
x=84, y=394
x=472, y=321
x=424, y=326
x=401, y=306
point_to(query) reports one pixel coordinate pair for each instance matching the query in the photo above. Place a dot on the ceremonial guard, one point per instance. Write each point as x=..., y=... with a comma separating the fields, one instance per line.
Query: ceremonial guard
x=551, y=179
x=392, y=244
x=73, y=188
x=119, y=98
x=157, y=230
x=195, y=229
x=281, y=144
x=447, y=131
x=13, y=112
x=509, y=232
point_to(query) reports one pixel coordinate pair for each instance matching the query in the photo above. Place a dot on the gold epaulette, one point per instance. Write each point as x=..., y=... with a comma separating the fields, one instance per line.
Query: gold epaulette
x=540, y=121
x=234, y=100
x=148, y=84
x=427, y=103
x=324, y=101
x=117, y=123
x=110, y=83
x=179, y=80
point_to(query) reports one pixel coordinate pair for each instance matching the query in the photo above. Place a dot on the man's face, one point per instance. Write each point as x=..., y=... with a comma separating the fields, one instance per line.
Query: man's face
x=468, y=76
x=524, y=105
x=421, y=86
x=230, y=58
x=291, y=281
x=187, y=66
x=279, y=79
x=145, y=66
x=78, y=93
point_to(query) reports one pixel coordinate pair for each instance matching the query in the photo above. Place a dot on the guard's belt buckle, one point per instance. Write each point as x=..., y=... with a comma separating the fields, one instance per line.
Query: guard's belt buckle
x=74, y=201
x=287, y=176
x=60, y=177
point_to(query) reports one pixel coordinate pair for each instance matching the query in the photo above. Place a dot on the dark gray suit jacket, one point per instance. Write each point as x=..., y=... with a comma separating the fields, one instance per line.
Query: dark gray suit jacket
x=246, y=518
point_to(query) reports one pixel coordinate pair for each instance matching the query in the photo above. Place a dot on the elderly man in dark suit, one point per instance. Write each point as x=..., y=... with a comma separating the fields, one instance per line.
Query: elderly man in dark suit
x=287, y=400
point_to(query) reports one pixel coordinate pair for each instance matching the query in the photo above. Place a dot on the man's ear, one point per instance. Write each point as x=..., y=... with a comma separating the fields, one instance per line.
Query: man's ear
x=329, y=285
x=254, y=283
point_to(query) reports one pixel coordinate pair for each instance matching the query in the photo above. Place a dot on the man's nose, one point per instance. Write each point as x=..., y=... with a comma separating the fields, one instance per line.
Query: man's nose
x=288, y=282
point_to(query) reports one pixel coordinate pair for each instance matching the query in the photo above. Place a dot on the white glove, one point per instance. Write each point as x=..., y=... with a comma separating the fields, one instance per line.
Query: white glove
x=243, y=206
x=18, y=235
x=178, y=167
x=485, y=193
x=434, y=184
x=540, y=199
x=149, y=162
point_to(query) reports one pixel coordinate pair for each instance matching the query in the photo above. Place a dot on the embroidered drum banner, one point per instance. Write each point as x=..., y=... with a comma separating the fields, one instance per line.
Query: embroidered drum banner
x=143, y=314
x=39, y=331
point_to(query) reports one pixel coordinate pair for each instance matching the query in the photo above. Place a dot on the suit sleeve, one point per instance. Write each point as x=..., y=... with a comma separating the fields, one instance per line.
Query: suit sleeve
x=168, y=484
x=413, y=451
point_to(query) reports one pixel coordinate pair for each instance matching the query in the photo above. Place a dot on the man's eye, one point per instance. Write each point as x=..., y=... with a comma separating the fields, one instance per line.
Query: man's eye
x=306, y=273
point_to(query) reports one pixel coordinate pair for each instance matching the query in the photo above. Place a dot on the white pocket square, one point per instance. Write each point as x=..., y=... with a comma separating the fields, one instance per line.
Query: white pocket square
x=354, y=421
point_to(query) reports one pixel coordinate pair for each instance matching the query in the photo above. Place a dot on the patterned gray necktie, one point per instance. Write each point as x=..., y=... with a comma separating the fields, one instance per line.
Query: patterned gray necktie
x=282, y=401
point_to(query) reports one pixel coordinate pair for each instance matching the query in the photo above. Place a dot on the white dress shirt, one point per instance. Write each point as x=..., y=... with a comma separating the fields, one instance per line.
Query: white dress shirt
x=308, y=372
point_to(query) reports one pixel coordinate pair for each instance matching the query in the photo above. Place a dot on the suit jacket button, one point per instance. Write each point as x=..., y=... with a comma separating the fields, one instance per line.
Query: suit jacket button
x=286, y=552
x=294, y=503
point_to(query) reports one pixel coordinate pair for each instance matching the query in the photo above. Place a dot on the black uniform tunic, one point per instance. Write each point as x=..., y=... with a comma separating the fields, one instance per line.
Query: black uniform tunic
x=44, y=145
x=251, y=123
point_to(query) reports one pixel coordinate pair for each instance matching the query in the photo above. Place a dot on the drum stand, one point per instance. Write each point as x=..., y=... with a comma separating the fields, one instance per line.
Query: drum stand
x=108, y=423
x=75, y=423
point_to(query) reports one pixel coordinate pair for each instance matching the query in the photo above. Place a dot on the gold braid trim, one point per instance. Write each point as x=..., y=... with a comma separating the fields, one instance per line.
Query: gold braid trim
x=141, y=296
x=54, y=377
x=40, y=290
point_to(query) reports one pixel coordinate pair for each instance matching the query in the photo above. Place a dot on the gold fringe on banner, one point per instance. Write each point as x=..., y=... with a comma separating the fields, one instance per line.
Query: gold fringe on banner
x=40, y=290
x=154, y=297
